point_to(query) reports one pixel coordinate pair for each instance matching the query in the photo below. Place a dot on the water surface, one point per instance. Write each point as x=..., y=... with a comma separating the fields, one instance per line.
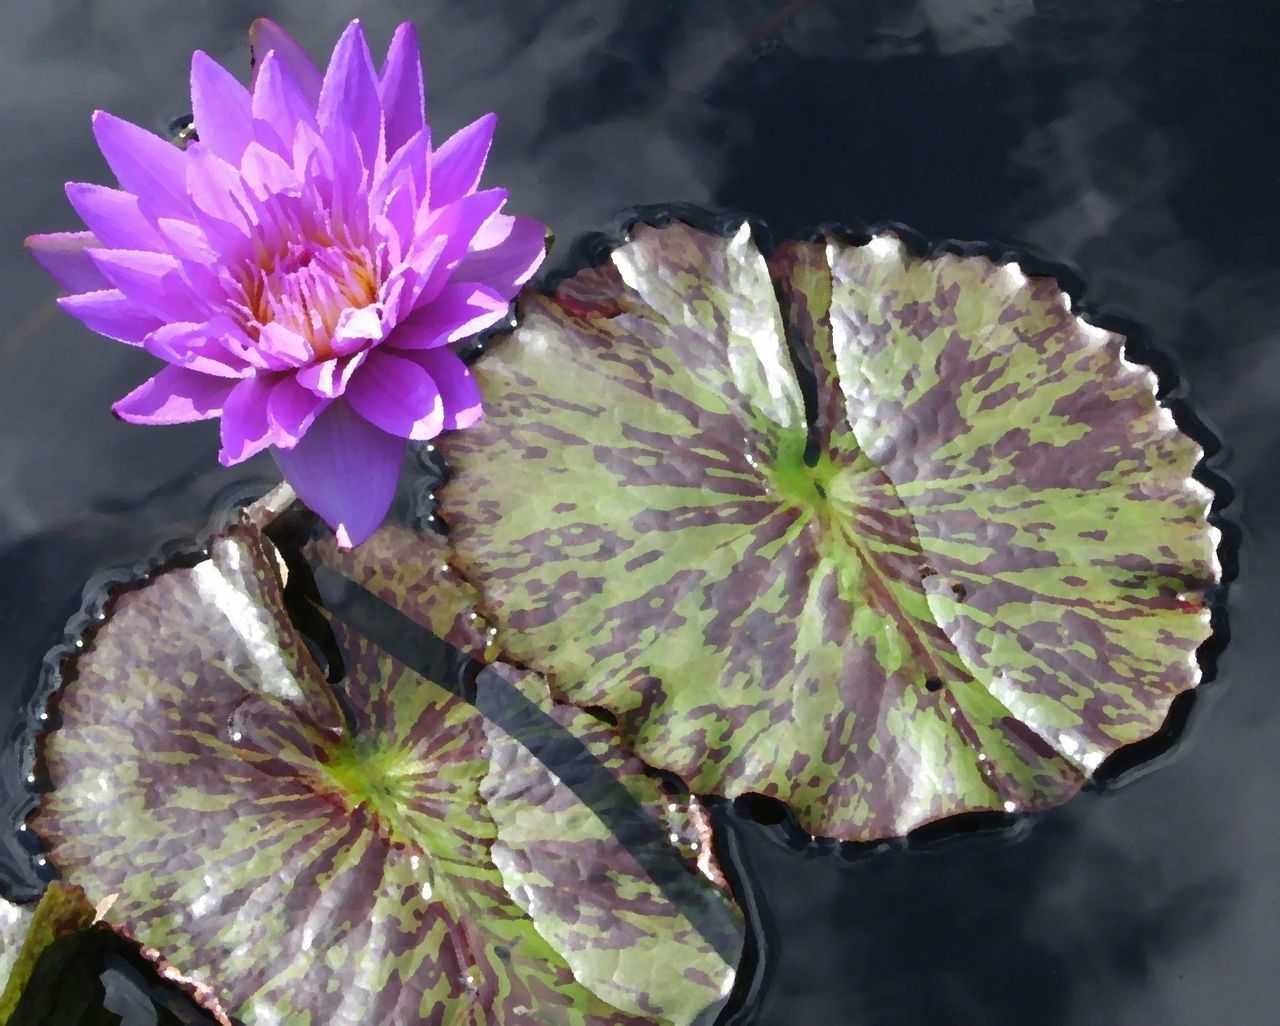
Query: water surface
x=1133, y=142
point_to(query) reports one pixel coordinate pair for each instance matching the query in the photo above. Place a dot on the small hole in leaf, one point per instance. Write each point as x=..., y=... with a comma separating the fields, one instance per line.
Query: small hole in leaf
x=926, y=571
x=602, y=714
x=822, y=492
x=933, y=684
x=958, y=590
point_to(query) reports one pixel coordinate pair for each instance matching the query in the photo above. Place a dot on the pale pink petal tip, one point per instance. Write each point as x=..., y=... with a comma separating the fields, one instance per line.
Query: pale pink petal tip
x=400, y=84
x=65, y=258
x=265, y=36
x=458, y=164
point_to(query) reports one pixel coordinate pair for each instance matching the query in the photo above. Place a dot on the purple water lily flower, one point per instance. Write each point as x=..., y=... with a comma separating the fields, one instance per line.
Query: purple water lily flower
x=302, y=268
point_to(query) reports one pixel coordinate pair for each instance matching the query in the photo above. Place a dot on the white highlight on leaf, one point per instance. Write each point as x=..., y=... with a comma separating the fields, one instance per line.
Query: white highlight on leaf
x=207, y=902
x=884, y=246
x=14, y=921
x=1016, y=275
x=253, y=623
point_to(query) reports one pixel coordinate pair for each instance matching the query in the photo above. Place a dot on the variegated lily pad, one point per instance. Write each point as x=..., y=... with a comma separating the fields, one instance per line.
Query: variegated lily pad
x=378, y=852
x=968, y=568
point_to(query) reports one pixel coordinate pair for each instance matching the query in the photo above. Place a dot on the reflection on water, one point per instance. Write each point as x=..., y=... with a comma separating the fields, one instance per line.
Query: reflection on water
x=1122, y=137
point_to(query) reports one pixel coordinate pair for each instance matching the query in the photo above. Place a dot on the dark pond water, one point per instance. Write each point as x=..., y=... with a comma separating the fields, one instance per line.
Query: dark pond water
x=1136, y=143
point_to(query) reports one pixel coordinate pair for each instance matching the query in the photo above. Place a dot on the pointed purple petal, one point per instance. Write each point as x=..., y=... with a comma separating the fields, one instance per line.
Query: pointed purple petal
x=65, y=258
x=151, y=168
x=398, y=396
x=113, y=217
x=457, y=224
x=197, y=347
x=457, y=165
x=504, y=254
x=400, y=86
x=460, y=310
x=151, y=280
x=458, y=389
x=279, y=99
x=265, y=36
x=220, y=108
x=346, y=470
x=111, y=313
x=408, y=168
x=245, y=428
x=175, y=396
x=349, y=96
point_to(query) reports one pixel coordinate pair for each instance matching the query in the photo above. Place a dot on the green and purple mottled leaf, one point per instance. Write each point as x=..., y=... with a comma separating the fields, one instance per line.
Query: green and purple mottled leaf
x=976, y=568
x=375, y=852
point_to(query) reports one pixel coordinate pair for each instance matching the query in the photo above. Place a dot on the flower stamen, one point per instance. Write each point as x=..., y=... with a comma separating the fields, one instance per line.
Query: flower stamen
x=306, y=287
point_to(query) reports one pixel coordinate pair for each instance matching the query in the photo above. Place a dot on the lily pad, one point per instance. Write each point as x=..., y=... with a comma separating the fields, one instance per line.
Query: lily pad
x=374, y=851
x=955, y=576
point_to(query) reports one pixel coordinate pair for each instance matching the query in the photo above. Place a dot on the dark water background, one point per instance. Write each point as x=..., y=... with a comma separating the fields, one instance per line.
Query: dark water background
x=1137, y=143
